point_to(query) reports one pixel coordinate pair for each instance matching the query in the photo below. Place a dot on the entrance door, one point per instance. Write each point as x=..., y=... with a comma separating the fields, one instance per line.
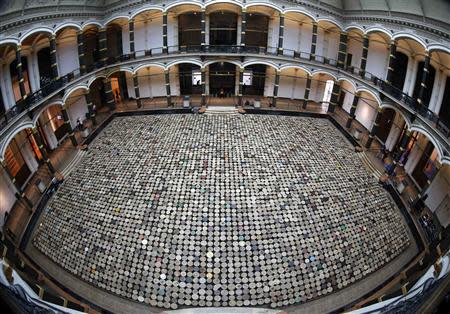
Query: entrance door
x=222, y=79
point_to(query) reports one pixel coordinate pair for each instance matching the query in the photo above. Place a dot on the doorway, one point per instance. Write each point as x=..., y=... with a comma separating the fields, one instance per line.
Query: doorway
x=400, y=68
x=385, y=125
x=222, y=79
x=223, y=28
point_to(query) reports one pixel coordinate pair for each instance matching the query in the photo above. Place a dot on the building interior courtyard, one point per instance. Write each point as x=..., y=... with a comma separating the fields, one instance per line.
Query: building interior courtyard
x=225, y=156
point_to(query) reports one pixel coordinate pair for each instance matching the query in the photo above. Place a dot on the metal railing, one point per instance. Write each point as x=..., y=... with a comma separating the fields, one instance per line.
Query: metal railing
x=46, y=90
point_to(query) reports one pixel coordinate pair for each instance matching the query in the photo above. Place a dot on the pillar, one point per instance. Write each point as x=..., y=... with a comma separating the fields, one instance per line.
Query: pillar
x=375, y=127
x=390, y=71
x=342, y=54
x=241, y=85
x=90, y=107
x=275, y=89
x=164, y=25
x=131, y=30
x=103, y=47
x=334, y=97
x=423, y=86
x=243, y=27
x=365, y=52
x=20, y=194
x=23, y=92
x=203, y=29
x=68, y=126
x=312, y=56
x=110, y=101
x=353, y=110
x=39, y=143
x=136, y=90
x=281, y=35
x=307, y=90
x=168, y=93
x=53, y=62
x=81, y=57
x=203, y=100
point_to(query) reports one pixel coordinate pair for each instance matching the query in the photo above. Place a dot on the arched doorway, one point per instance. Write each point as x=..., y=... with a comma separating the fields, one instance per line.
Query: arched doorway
x=190, y=78
x=189, y=29
x=254, y=80
x=222, y=79
x=223, y=28
x=385, y=124
x=400, y=69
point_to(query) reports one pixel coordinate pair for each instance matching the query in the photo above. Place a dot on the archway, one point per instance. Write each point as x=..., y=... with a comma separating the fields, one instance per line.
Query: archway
x=223, y=24
x=222, y=79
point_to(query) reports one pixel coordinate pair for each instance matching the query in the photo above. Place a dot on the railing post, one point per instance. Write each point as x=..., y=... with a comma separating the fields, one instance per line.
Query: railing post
x=23, y=92
x=136, y=90
x=81, y=56
x=375, y=127
x=68, y=126
x=352, y=110
x=342, y=54
x=168, y=92
x=390, y=72
x=334, y=97
x=365, y=52
x=281, y=35
x=90, y=107
x=53, y=62
x=39, y=143
x=131, y=30
x=243, y=27
x=164, y=25
x=307, y=90
x=312, y=55
x=275, y=88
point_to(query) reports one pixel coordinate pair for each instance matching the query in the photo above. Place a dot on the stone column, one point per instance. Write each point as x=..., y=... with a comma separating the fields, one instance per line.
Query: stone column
x=342, y=54
x=307, y=90
x=353, y=110
x=90, y=107
x=168, y=93
x=68, y=126
x=136, y=90
x=20, y=194
x=203, y=100
x=312, y=56
x=365, y=52
x=334, y=97
x=281, y=35
x=103, y=46
x=81, y=57
x=131, y=30
x=241, y=85
x=243, y=27
x=23, y=92
x=110, y=101
x=392, y=51
x=275, y=88
x=423, y=81
x=375, y=127
x=39, y=143
x=53, y=62
x=203, y=28
x=164, y=26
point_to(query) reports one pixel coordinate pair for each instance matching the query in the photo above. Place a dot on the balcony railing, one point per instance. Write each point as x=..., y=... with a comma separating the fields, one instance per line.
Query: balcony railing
x=50, y=88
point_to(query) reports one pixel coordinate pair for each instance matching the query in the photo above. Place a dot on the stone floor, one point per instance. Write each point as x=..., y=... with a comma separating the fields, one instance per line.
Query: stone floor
x=188, y=210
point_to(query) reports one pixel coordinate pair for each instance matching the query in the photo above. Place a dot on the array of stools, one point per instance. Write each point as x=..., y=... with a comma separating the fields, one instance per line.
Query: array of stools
x=190, y=210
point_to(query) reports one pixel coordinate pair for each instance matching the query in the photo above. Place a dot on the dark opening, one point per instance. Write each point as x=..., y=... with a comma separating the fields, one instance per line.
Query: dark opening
x=97, y=92
x=45, y=67
x=400, y=68
x=419, y=173
x=429, y=84
x=341, y=98
x=223, y=28
x=222, y=79
x=189, y=29
x=2, y=105
x=114, y=41
x=91, y=50
x=188, y=72
x=387, y=119
x=257, y=30
x=444, y=113
x=349, y=60
x=254, y=79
